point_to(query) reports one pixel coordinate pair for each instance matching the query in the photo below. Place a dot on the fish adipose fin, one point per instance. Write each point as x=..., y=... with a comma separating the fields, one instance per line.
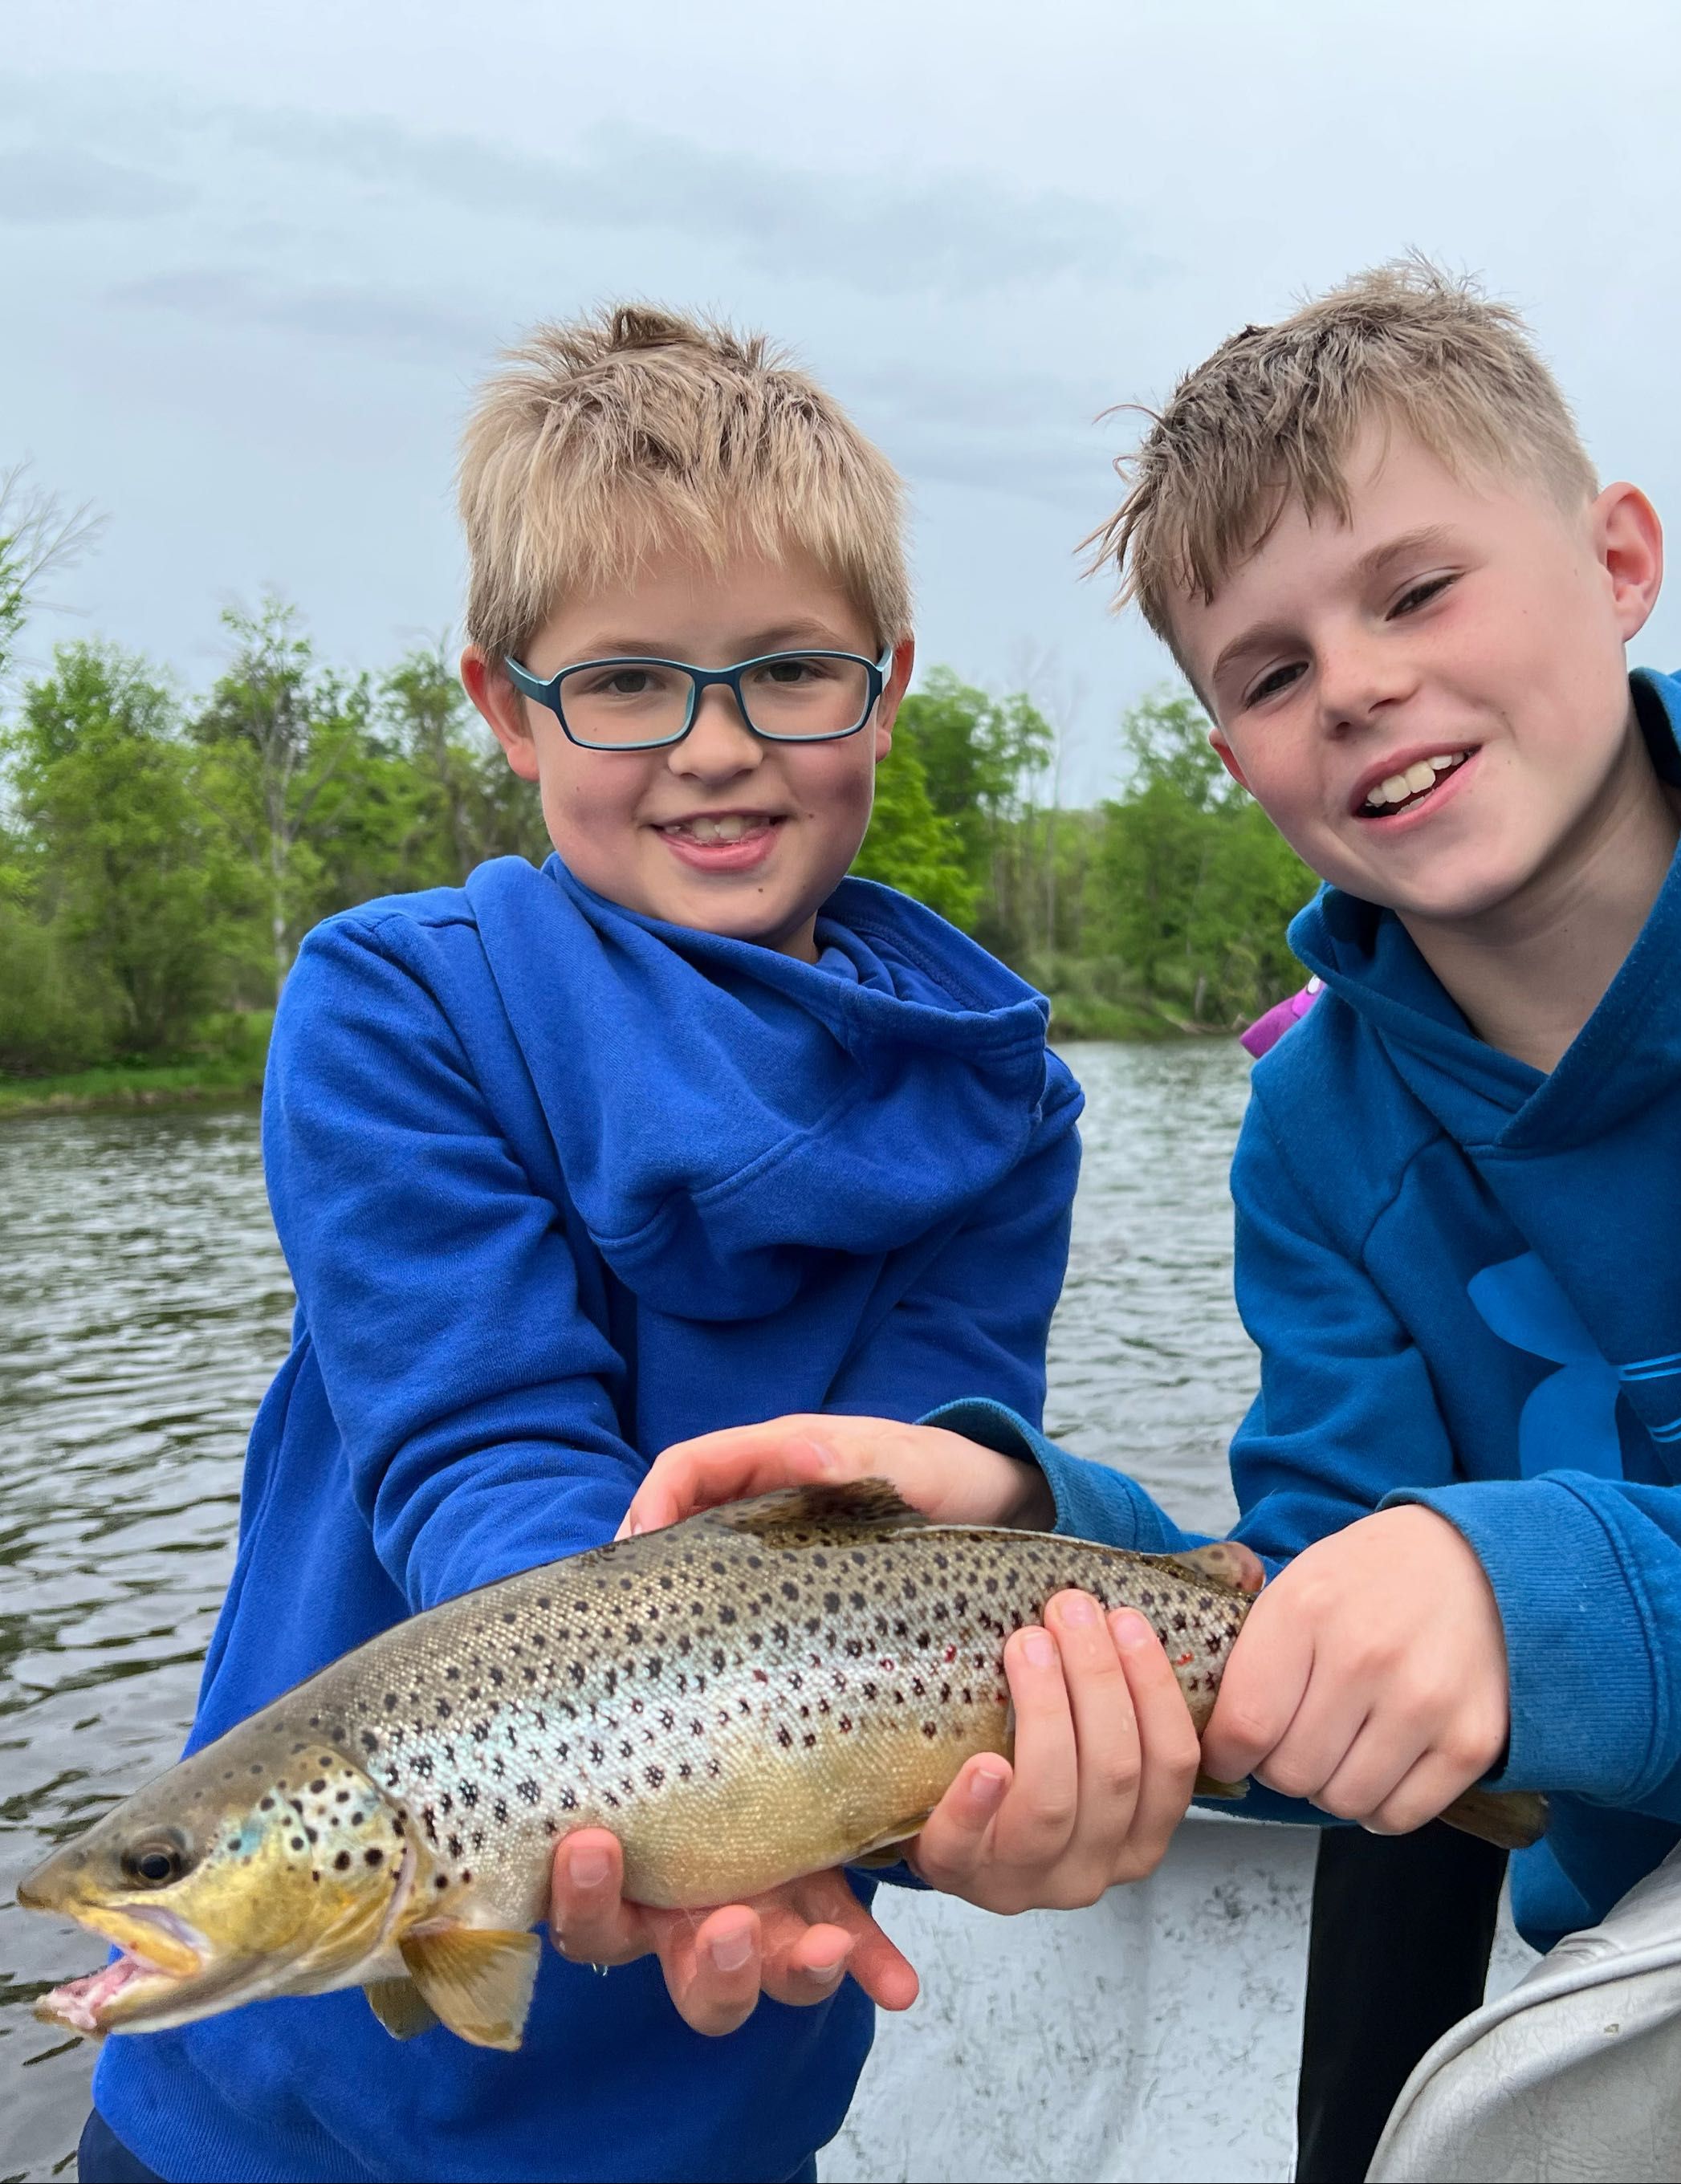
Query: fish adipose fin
x=478, y=1982
x=1511, y=1820
x=1224, y=1561
x=802, y=1512
x=398, y=2005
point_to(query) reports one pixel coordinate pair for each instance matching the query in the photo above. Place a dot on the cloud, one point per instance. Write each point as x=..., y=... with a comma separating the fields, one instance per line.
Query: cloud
x=343, y=311
x=45, y=183
x=952, y=235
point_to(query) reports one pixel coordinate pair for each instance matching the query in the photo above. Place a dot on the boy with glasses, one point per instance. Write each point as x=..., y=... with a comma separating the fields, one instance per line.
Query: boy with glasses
x=685, y=1128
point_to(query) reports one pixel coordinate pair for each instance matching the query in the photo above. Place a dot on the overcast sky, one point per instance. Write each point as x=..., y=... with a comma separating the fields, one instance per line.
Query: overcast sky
x=254, y=256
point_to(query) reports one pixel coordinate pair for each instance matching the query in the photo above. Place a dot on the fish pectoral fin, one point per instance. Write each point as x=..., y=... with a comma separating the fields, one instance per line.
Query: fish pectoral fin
x=400, y=2007
x=1206, y=1786
x=888, y=1847
x=796, y=1512
x=478, y=1982
x=1511, y=1820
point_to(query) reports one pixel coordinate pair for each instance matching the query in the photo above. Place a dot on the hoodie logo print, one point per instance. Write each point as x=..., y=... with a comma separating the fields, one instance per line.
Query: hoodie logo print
x=1569, y=1421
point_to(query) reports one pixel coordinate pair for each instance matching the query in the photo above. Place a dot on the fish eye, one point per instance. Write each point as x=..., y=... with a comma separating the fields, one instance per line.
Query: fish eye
x=156, y=1860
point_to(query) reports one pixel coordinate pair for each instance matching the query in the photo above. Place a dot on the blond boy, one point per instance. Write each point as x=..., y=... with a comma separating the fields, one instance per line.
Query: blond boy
x=685, y=1128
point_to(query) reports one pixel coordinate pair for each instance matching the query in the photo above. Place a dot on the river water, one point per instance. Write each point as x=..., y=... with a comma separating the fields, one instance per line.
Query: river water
x=143, y=1306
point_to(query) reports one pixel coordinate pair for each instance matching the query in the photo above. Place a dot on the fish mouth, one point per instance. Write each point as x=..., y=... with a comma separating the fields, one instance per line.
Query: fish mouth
x=162, y=1964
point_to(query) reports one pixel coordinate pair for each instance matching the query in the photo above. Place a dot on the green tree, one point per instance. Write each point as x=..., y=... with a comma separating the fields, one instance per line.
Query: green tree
x=473, y=805
x=911, y=846
x=276, y=730
x=1195, y=886
x=125, y=886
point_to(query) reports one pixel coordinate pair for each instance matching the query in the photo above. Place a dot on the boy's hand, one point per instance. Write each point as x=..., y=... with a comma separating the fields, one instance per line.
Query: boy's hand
x=1105, y=1756
x=1371, y=1676
x=794, y=1943
x=954, y=1480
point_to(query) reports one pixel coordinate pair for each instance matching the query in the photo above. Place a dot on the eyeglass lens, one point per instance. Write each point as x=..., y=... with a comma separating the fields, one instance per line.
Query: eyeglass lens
x=794, y=694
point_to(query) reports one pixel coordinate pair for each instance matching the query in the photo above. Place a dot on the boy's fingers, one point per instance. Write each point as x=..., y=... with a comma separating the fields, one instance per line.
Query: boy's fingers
x=713, y=1971
x=1377, y=1760
x=1037, y=1817
x=588, y=1920
x=956, y=1835
x=1265, y=1681
x=1106, y=1732
x=825, y=1900
x=1169, y=1754
x=726, y=1467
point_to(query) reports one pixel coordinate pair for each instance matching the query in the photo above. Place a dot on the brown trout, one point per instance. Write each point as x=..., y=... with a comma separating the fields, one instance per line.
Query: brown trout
x=763, y=1690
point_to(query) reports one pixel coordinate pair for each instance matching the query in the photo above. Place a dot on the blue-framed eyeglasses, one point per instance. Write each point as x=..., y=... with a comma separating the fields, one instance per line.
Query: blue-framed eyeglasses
x=637, y=703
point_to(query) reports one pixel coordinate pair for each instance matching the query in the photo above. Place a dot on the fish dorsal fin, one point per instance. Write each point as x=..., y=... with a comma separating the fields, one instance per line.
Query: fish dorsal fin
x=478, y=1981
x=798, y=1513
x=398, y=2005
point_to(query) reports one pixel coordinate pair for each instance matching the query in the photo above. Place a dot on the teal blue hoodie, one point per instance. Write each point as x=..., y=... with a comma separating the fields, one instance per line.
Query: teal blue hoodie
x=1464, y=1279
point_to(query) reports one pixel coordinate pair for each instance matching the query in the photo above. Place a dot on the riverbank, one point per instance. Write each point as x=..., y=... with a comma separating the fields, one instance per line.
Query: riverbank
x=174, y=1084
x=211, y=1080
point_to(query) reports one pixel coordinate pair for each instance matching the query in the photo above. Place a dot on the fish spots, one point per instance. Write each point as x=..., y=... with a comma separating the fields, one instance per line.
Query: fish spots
x=374, y=1857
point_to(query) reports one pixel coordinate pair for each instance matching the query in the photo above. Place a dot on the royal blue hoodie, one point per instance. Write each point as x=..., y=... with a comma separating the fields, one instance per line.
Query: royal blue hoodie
x=559, y=1184
x=1464, y=1278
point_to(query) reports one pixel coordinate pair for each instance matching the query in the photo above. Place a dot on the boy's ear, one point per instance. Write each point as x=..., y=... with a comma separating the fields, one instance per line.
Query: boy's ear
x=1628, y=539
x=503, y=708
x=1223, y=752
x=892, y=695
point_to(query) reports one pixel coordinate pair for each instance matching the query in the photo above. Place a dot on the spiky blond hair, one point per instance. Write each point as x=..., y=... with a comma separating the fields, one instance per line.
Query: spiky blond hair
x=601, y=436
x=1268, y=420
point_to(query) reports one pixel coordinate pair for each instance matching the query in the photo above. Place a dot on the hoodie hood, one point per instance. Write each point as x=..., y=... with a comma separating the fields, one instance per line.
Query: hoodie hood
x=721, y=1112
x=1627, y=1054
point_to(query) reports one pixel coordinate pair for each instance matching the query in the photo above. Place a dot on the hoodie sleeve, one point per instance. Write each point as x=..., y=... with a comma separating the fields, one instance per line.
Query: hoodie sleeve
x=977, y=1314
x=1345, y=1413
x=480, y=1428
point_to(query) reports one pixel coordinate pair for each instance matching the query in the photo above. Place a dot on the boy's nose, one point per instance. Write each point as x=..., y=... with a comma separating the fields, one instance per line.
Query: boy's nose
x=720, y=741
x=1357, y=680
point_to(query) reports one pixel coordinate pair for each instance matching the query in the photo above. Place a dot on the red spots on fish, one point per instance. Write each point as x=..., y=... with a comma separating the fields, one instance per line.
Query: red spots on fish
x=1183, y=1660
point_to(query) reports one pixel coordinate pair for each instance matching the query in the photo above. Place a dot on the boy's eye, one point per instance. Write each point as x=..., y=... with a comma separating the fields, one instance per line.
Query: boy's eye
x=1275, y=680
x=627, y=682
x=790, y=670
x=1418, y=595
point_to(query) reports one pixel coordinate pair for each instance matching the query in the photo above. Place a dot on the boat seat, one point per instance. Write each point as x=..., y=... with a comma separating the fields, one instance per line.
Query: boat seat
x=1575, y=2074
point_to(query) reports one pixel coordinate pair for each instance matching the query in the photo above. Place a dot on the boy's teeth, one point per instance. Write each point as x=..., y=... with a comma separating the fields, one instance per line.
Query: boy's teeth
x=730, y=828
x=1421, y=774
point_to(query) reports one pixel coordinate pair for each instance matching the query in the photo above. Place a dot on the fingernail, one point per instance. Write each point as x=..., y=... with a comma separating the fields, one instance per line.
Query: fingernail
x=731, y=1951
x=986, y=1787
x=589, y=1868
x=826, y=1975
x=1130, y=1629
x=1076, y=1608
x=1040, y=1648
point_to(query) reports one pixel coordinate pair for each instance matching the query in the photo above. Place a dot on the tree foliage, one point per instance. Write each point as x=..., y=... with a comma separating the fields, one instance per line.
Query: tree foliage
x=161, y=856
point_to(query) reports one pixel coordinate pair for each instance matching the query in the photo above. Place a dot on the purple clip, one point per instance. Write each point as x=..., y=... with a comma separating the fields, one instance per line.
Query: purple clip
x=1266, y=1031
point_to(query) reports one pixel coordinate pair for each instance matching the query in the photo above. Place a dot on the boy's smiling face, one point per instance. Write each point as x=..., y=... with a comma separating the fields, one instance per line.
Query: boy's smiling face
x=722, y=832
x=1431, y=701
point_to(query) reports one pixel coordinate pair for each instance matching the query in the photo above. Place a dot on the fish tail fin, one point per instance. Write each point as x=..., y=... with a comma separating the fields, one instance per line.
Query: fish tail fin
x=1511, y=1820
